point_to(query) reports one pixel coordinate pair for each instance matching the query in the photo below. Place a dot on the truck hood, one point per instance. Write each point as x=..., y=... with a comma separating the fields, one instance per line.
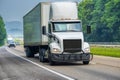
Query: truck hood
x=69, y=35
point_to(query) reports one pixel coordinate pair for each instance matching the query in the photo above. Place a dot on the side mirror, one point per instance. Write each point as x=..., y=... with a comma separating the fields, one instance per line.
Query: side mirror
x=88, y=29
x=44, y=30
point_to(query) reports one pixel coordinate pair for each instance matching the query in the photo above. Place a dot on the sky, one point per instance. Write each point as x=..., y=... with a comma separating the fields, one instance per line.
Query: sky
x=14, y=10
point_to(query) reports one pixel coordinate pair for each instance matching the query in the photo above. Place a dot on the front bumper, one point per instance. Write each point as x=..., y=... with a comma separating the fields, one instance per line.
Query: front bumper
x=70, y=57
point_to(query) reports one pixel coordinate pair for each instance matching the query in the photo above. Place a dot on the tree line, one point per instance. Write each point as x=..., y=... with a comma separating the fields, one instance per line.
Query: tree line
x=104, y=18
x=2, y=31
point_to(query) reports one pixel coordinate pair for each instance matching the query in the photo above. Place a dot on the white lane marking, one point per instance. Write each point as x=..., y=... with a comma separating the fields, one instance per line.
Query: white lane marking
x=41, y=66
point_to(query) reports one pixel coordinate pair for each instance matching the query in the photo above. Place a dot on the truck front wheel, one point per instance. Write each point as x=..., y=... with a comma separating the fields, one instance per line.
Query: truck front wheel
x=28, y=52
x=85, y=62
x=50, y=58
x=51, y=62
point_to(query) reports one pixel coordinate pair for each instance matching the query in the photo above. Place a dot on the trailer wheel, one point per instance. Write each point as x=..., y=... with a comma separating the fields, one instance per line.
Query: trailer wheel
x=42, y=55
x=85, y=62
x=28, y=52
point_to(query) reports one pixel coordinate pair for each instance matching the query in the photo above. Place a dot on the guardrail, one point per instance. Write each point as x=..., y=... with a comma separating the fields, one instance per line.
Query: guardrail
x=105, y=44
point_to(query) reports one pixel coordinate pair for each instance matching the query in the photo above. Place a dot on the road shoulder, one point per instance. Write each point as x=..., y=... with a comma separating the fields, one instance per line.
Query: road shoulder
x=104, y=60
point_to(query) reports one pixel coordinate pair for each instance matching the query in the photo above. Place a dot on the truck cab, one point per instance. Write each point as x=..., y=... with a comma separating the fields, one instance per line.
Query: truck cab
x=66, y=42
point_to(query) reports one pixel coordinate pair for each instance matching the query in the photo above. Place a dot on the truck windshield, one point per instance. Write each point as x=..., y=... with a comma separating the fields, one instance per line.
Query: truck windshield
x=67, y=27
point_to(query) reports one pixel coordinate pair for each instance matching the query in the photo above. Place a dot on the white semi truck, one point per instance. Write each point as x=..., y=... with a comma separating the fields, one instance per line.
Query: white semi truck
x=53, y=30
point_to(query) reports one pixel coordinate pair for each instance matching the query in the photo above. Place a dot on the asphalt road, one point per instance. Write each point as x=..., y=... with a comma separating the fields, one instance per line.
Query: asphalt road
x=16, y=68
x=19, y=67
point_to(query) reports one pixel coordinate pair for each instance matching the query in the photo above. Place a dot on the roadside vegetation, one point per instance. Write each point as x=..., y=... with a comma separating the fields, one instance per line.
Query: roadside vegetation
x=2, y=32
x=18, y=41
x=104, y=18
x=106, y=51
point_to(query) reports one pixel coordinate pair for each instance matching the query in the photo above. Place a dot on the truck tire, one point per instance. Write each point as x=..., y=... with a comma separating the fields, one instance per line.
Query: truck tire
x=42, y=55
x=85, y=62
x=51, y=62
x=29, y=52
x=49, y=58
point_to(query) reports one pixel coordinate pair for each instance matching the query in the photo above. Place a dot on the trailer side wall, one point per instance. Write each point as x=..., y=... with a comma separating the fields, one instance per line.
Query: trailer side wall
x=33, y=22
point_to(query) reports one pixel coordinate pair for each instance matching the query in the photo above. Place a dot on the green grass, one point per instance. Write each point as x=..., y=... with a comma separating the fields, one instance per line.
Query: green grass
x=106, y=51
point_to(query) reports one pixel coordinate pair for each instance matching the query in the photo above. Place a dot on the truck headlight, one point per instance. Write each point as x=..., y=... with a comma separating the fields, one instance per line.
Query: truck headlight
x=56, y=50
x=87, y=50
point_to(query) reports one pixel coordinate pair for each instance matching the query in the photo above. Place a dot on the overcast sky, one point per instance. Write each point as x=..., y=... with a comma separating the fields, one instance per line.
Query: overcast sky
x=14, y=10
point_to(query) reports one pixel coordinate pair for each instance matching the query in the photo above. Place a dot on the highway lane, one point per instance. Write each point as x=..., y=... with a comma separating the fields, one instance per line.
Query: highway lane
x=79, y=71
x=16, y=68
